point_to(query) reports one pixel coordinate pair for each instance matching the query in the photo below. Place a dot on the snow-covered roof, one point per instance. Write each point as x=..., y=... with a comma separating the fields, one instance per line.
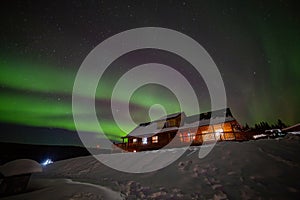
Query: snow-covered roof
x=205, y=122
x=295, y=127
x=209, y=115
x=171, y=116
x=150, y=128
x=145, y=130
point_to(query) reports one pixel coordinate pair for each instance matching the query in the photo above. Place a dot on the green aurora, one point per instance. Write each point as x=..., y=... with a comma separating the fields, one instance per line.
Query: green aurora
x=38, y=102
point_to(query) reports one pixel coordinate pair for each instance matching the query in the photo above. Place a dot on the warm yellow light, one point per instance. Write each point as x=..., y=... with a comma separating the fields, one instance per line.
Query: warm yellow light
x=219, y=130
x=155, y=139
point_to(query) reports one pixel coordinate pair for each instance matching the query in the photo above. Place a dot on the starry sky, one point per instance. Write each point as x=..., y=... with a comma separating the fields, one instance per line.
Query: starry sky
x=255, y=44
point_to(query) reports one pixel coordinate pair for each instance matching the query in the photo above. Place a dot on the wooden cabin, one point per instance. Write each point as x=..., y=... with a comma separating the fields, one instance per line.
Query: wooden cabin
x=182, y=130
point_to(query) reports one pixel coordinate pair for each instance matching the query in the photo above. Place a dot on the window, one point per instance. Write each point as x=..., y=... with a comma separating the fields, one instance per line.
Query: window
x=155, y=139
x=134, y=140
x=227, y=127
x=192, y=136
x=144, y=140
x=187, y=137
x=218, y=134
x=219, y=130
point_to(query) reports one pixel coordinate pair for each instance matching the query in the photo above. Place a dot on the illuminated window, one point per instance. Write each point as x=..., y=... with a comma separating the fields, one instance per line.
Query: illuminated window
x=193, y=136
x=187, y=137
x=155, y=139
x=144, y=140
x=219, y=130
x=134, y=140
x=227, y=127
x=218, y=133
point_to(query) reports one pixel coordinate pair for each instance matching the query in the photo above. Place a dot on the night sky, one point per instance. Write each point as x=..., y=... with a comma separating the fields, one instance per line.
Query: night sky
x=255, y=44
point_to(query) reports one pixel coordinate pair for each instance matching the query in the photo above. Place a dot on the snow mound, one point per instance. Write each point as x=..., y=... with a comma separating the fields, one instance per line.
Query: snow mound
x=19, y=167
x=48, y=189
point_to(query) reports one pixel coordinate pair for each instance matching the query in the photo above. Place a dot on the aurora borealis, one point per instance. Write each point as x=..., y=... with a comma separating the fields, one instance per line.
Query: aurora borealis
x=255, y=44
x=25, y=101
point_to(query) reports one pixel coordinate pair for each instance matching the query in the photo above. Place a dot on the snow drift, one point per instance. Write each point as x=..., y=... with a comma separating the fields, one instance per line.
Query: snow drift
x=262, y=169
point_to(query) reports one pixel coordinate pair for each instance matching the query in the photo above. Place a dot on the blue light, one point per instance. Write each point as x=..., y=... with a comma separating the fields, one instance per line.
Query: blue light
x=47, y=162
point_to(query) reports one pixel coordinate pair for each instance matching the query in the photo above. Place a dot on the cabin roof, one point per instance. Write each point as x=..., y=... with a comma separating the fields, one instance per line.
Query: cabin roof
x=171, y=116
x=150, y=128
x=205, y=122
x=209, y=115
x=295, y=127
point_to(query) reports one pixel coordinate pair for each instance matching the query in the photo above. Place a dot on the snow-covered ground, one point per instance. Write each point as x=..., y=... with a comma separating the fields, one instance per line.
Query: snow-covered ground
x=260, y=169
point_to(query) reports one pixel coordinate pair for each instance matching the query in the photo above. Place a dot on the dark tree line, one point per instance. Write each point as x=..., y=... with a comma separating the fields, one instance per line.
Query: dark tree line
x=262, y=126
